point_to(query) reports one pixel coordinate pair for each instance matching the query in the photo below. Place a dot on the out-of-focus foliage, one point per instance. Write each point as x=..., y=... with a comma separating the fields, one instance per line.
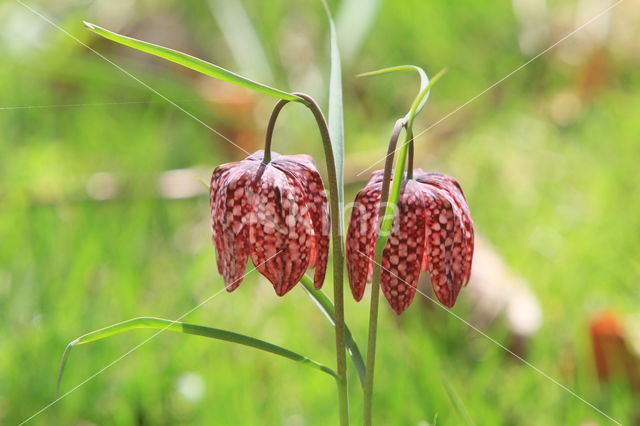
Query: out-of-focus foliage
x=94, y=231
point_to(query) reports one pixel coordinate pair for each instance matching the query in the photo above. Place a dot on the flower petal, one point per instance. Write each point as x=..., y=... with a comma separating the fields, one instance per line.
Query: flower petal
x=402, y=256
x=465, y=241
x=229, y=208
x=303, y=169
x=361, y=236
x=280, y=232
x=377, y=177
x=441, y=223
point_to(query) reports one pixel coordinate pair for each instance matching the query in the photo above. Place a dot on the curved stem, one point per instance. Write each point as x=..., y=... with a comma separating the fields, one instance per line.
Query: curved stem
x=270, y=127
x=375, y=281
x=336, y=238
x=338, y=256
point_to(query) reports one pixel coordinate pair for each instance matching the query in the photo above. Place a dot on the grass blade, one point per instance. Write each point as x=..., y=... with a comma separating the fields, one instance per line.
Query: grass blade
x=193, y=63
x=242, y=38
x=354, y=20
x=336, y=116
x=457, y=402
x=324, y=304
x=398, y=176
x=181, y=327
x=424, y=80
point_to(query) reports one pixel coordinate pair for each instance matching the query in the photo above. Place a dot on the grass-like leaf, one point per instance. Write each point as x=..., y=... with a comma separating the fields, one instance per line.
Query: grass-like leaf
x=324, y=304
x=424, y=80
x=398, y=176
x=457, y=401
x=242, y=38
x=336, y=116
x=181, y=327
x=193, y=63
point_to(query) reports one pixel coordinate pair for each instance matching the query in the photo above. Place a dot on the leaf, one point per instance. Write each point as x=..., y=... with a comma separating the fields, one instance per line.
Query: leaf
x=456, y=401
x=324, y=304
x=336, y=116
x=193, y=63
x=181, y=327
x=424, y=80
x=398, y=176
x=354, y=20
x=241, y=37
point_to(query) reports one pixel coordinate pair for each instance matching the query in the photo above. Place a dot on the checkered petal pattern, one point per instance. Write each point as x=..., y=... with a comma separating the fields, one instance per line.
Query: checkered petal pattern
x=432, y=231
x=275, y=213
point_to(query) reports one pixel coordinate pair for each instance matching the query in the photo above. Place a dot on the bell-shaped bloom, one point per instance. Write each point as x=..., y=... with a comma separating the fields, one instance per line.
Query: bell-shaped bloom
x=432, y=230
x=277, y=213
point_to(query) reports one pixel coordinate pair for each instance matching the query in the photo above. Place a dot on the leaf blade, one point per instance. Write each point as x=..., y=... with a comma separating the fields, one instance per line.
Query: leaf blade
x=424, y=79
x=186, y=328
x=336, y=113
x=398, y=175
x=456, y=401
x=192, y=62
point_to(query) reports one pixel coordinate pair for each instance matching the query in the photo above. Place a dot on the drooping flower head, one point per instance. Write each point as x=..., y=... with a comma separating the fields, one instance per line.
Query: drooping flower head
x=432, y=230
x=277, y=213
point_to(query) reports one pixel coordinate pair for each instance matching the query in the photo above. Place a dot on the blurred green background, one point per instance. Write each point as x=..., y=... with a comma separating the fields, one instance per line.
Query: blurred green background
x=102, y=217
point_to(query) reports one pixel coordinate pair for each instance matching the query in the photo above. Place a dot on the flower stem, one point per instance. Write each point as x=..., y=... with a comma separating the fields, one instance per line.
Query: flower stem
x=270, y=127
x=338, y=257
x=375, y=281
x=410, y=156
x=386, y=215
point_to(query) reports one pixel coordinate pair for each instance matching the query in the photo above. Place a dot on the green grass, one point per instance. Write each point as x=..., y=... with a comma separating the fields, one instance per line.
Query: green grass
x=561, y=202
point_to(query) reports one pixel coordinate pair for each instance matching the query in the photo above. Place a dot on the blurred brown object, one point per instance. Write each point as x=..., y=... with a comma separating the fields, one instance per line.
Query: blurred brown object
x=497, y=290
x=497, y=293
x=613, y=349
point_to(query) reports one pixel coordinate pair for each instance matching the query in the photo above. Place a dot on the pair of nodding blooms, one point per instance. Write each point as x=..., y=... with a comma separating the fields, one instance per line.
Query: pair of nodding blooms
x=277, y=213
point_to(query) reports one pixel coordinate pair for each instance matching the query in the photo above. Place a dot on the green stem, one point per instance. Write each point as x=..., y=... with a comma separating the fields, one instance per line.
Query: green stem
x=375, y=288
x=270, y=127
x=386, y=216
x=198, y=330
x=410, y=156
x=338, y=257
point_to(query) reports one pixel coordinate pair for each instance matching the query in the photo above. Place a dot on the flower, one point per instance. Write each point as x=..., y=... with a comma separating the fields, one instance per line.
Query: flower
x=276, y=212
x=432, y=231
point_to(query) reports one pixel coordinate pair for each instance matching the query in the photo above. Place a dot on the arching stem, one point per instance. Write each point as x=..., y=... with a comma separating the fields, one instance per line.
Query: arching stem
x=270, y=127
x=338, y=257
x=389, y=197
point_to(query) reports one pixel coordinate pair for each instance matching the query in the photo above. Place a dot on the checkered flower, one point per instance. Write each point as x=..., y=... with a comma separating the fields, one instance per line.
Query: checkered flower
x=277, y=213
x=432, y=231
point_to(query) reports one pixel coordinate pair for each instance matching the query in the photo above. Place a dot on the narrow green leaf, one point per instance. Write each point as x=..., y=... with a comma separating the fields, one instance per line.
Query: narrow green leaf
x=198, y=330
x=242, y=38
x=326, y=307
x=354, y=21
x=424, y=80
x=457, y=401
x=423, y=94
x=398, y=176
x=336, y=116
x=193, y=63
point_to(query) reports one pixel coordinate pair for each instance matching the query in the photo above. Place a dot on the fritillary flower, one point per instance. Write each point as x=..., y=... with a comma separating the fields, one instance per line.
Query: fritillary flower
x=432, y=231
x=277, y=213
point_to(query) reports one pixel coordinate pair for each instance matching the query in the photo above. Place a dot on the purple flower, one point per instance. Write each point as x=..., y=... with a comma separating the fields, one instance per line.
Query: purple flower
x=432, y=231
x=277, y=213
